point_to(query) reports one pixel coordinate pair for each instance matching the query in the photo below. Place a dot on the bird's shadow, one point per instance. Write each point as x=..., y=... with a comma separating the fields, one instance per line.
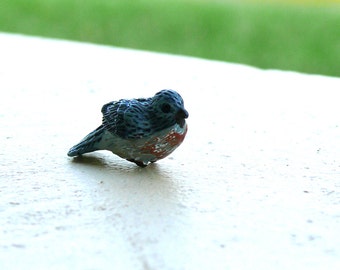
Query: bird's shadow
x=117, y=166
x=90, y=160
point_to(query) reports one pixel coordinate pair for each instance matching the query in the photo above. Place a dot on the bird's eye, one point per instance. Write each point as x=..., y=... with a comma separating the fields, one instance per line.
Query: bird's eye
x=166, y=108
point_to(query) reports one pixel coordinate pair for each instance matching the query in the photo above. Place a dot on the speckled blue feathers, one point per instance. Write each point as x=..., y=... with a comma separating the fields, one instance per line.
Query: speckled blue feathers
x=138, y=118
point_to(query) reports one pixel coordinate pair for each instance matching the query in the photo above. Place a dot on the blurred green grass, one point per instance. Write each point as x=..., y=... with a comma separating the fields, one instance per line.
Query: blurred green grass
x=303, y=38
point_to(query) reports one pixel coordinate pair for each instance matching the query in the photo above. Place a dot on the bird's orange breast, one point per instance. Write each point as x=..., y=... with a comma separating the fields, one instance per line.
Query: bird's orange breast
x=161, y=146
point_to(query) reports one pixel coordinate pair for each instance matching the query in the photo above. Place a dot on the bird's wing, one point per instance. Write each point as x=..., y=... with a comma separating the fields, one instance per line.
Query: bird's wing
x=126, y=118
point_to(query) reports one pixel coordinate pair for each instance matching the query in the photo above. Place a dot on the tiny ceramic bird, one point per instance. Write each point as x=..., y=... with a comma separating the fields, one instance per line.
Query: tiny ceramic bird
x=141, y=130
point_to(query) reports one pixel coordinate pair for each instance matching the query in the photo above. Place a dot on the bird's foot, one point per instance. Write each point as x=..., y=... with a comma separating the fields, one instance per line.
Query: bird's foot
x=139, y=163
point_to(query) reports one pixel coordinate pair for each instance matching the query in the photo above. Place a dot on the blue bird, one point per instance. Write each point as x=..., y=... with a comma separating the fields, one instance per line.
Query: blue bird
x=141, y=130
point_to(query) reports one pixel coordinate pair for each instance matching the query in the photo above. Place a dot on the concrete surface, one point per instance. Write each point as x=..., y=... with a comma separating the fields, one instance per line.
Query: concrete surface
x=255, y=184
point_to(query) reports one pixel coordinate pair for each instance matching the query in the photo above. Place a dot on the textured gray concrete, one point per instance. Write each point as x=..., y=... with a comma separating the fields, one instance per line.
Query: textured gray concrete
x=255, y=184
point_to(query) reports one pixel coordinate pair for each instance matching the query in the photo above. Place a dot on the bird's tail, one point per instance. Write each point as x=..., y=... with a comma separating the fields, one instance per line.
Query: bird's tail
x=89, y=144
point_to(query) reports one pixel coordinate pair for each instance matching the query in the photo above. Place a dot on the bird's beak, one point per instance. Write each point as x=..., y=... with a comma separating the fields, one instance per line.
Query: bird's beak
x=182, y=113
x=180, y=116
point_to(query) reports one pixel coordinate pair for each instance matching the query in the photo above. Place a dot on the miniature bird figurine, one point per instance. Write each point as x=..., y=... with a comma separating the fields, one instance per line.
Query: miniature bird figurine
x=141, y=130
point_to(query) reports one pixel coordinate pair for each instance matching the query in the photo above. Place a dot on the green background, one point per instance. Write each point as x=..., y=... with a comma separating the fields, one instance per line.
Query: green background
x=290, y=36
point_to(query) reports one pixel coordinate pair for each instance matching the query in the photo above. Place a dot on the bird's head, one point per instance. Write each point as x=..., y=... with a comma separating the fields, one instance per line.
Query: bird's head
x=168, y=108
